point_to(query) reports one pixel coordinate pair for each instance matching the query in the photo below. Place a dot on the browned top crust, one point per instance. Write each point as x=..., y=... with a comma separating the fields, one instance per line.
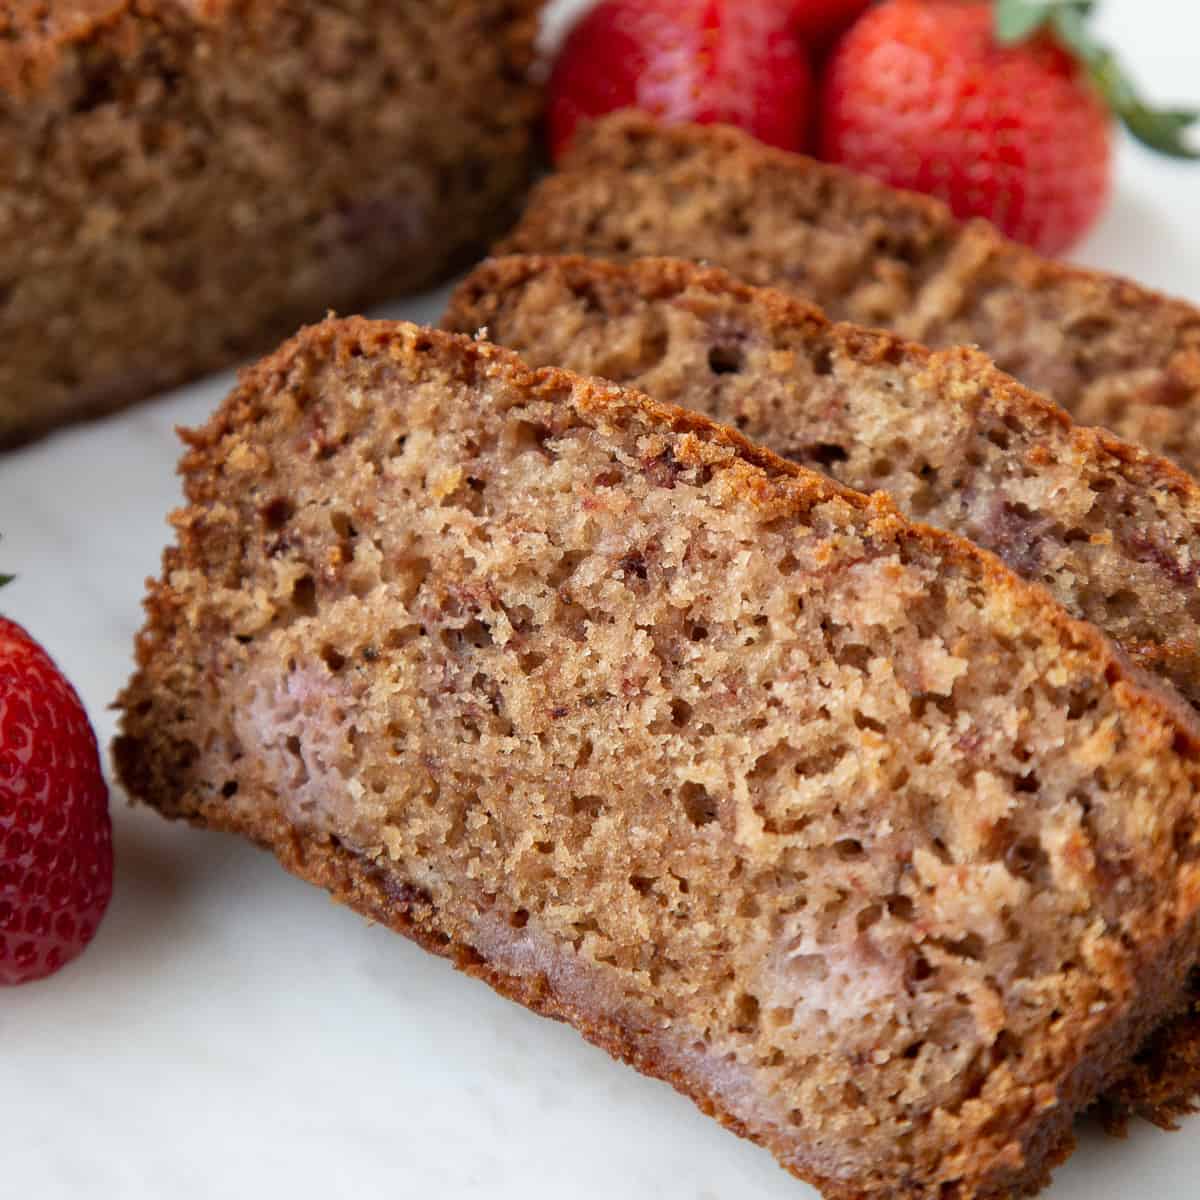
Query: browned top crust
x=37, y=36
x=1111, y=352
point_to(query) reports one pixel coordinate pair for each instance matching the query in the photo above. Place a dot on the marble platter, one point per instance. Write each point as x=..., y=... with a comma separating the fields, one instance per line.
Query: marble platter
x=232, y=1033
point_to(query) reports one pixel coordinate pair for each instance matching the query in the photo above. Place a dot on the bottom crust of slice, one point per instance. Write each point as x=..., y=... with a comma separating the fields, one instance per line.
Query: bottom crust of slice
x=1162, y=1083
x=380, y=895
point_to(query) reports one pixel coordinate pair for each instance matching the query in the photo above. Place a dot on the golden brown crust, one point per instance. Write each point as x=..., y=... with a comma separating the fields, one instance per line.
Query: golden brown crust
x=34, y=37
x=1111, y=352
x=38, y=39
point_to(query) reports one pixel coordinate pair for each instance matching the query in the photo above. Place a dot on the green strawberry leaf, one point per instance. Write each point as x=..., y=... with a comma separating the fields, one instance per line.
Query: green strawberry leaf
x=1159, y=129
x=6, y=579
x=1018, y=19
x=1162, y=129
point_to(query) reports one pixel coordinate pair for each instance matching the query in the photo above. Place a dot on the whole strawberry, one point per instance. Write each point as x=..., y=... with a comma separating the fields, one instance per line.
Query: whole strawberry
x=741, y=62
x=921, y=95
x=56, y=860
x=818, y=22
x=1002, y=110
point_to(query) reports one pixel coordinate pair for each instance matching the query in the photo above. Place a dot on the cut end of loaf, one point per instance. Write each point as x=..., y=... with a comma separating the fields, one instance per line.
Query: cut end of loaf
x=824, y=817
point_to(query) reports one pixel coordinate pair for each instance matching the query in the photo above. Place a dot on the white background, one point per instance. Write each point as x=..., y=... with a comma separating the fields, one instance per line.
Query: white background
x=232, y=1033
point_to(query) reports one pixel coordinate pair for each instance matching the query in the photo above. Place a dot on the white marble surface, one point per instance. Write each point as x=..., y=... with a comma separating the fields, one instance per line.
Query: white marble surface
x=232, y=1033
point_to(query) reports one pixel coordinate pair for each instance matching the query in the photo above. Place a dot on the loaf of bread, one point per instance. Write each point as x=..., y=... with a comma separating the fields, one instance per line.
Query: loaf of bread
x=1111, y=353
x=1112, y=531
x=182, y=183
x=825, y=817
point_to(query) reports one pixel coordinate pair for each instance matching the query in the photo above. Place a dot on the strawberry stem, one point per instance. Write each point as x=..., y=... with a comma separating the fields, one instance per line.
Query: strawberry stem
x=1160, y=129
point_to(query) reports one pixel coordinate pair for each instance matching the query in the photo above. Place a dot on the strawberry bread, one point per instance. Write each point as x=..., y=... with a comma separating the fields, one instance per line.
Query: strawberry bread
x=1111, y=531
x=183, y=182
x=825, y=817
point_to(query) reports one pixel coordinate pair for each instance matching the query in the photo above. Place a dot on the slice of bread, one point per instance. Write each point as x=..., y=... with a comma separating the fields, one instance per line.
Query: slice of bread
x=825, y=817
x=1113, y=532
x=1110, y=352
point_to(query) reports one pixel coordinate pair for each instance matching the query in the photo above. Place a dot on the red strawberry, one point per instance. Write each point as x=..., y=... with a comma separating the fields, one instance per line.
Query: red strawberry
x=734, y=61
x=56, y=861
x=1002, y=109
x=818, y=22
x=921, y=95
